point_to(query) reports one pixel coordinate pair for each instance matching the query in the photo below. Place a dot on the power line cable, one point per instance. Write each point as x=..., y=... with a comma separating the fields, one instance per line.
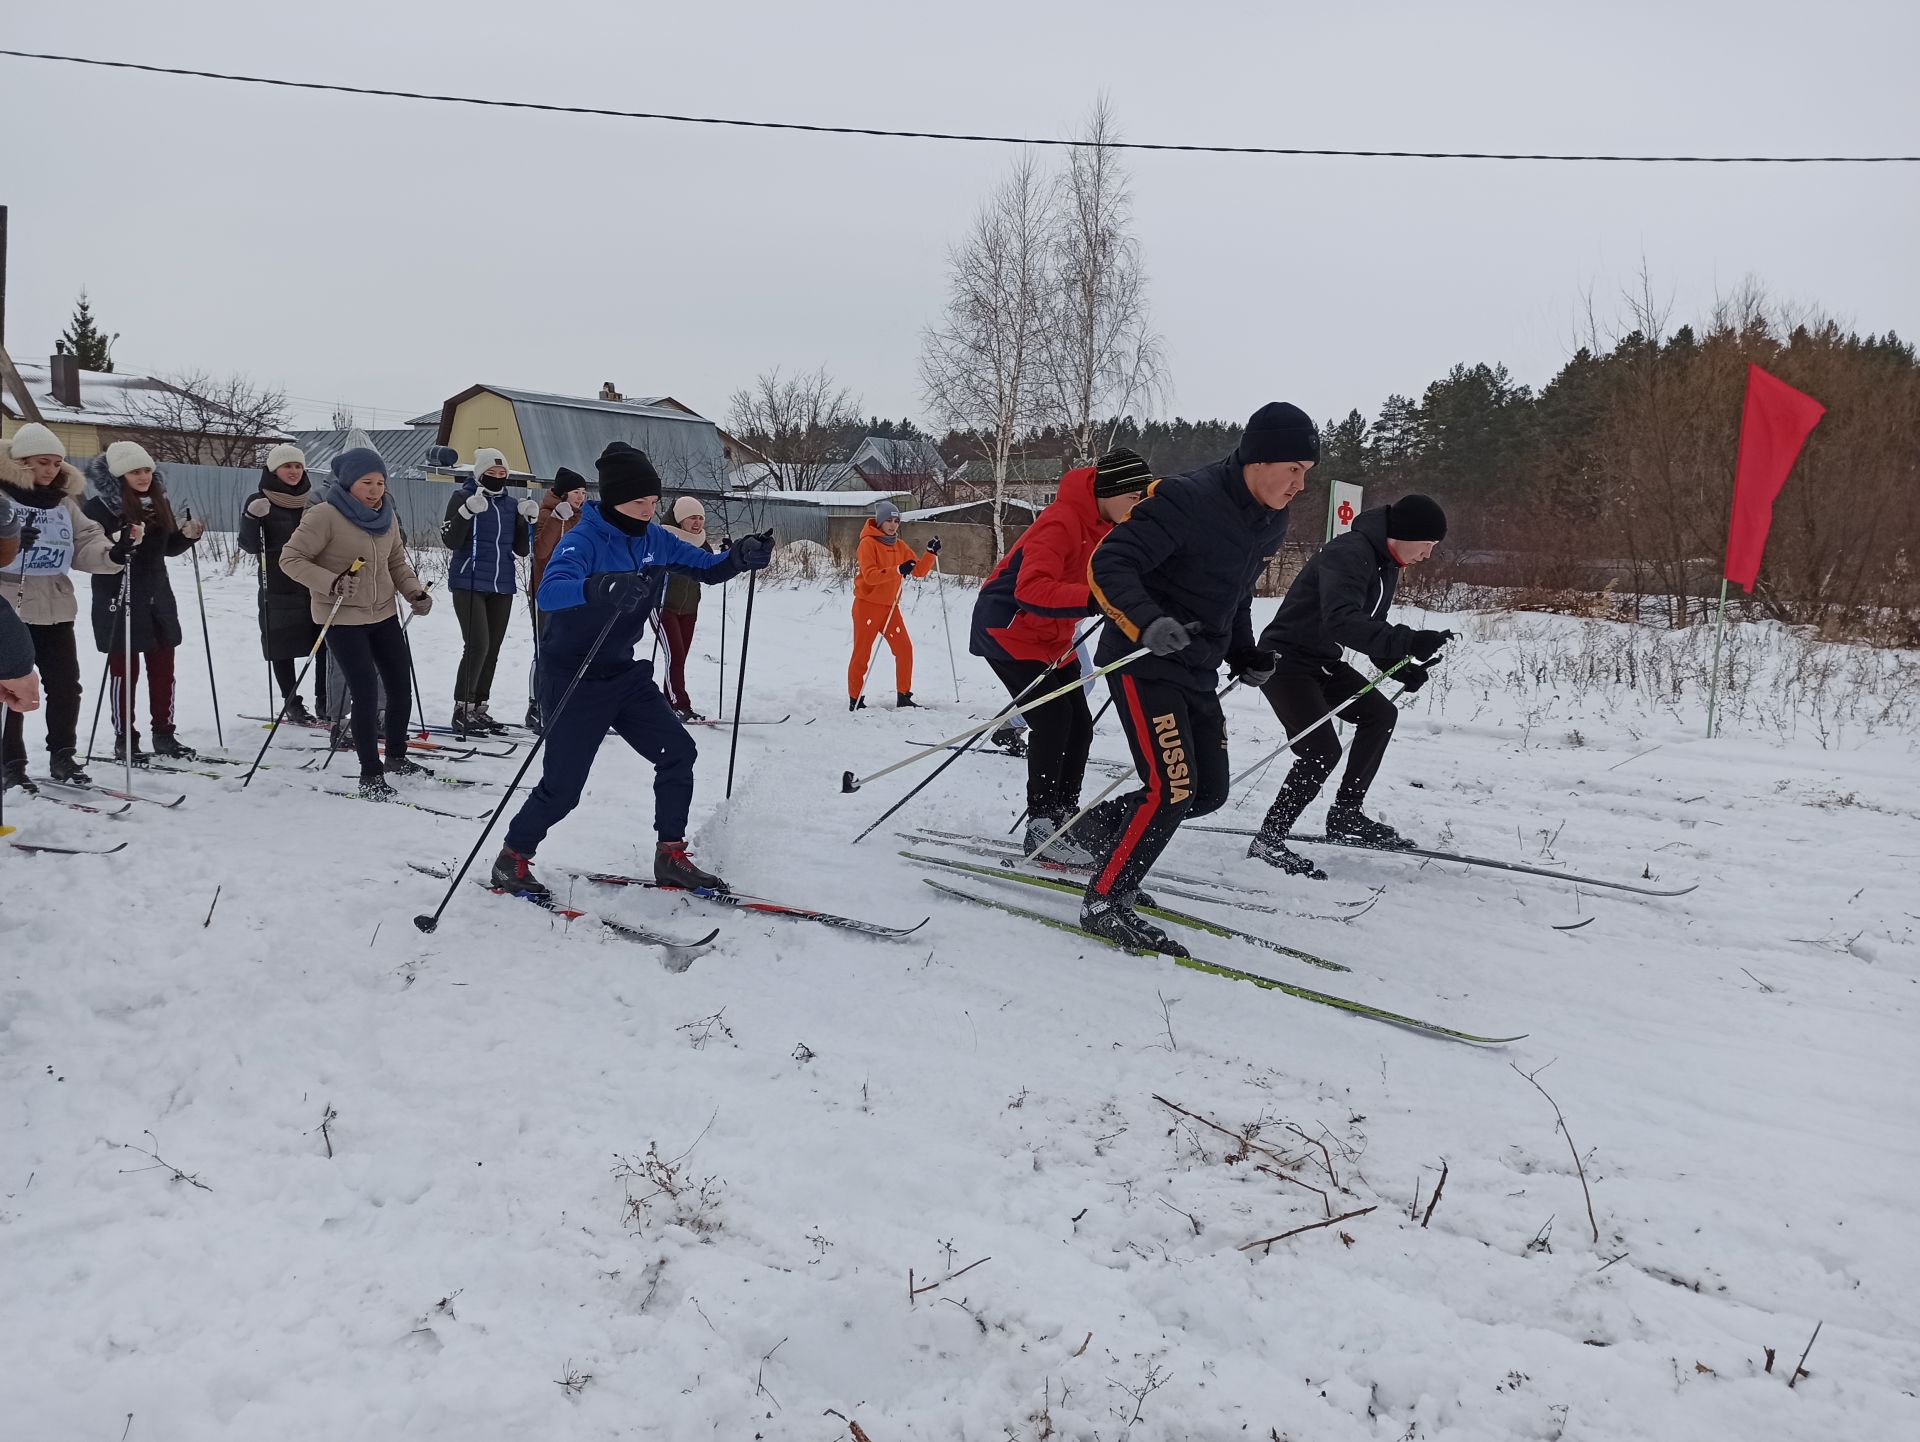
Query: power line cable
x=1144, y=145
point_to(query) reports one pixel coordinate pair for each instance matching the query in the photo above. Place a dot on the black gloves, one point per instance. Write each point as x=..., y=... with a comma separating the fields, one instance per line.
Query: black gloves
x=755, y=551
x=29, y=535
x=726, y=544
x=1252, y=665
x=933, y=546
x=123, y=549
x=1425, y=644
x=623, y=590
x=1412, y=676
x=906, y=568
x=1166, y=636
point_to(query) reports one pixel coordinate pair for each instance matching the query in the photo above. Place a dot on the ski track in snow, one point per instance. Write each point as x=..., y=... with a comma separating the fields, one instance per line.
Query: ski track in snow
x=983, y=1090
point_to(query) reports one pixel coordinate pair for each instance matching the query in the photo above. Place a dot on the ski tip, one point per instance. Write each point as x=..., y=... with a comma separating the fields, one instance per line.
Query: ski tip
x=426, y=923
x=847, y=783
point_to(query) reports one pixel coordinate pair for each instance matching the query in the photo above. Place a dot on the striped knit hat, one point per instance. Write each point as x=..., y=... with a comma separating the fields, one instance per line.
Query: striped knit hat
x=1120, y=473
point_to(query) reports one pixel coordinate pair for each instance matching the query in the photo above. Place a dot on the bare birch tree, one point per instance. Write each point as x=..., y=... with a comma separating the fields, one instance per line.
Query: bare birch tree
x=796, y=422
x=1101, y=352
x=981, y=363
x=205, y=419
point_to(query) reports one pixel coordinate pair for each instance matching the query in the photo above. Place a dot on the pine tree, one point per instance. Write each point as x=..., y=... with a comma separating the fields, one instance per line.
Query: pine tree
x=84, y=339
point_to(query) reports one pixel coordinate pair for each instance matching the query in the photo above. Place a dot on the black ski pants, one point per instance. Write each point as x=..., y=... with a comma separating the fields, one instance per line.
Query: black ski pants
x=286, y=675
x=483, y=626
x=1059, y=734
x=1299, y=697
x=1179, y=741
x=374, y=658
x=59, y=665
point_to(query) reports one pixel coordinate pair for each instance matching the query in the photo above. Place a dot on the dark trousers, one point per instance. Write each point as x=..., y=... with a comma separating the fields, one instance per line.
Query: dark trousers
x=159, y=688
x=59, y=666
x=627, y=702
x=1301, y=697
x=1179, y=741
x=286, y=674
x=1059, y=735
x=374, y=658
x=483, y=626
x=679, y=631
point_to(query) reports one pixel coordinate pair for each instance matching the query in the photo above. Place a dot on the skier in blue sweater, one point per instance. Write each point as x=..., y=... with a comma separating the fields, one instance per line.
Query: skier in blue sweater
x=609, y=575
x=484, y=532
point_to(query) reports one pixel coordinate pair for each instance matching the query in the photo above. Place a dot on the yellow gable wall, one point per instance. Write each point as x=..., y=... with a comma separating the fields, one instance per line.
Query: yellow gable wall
x=80, y=440
x=487, y=420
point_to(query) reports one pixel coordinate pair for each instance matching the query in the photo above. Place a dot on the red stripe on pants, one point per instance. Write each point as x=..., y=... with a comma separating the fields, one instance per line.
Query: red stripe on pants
x=159, y=688
x=1149, y=804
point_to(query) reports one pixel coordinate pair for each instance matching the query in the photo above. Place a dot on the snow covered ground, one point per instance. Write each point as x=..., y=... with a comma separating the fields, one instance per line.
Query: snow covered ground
x=572, y=1194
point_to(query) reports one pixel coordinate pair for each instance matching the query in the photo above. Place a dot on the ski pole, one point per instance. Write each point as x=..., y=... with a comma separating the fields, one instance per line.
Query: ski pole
x=100, y=696
x=850, y=782
x=1010, y=709
x=412, y=674
x=881, y=635
x=940, y=585
x=721, y=713
x=1316, y=725
x=1091, y=726
x=428, y=923
x=126, y=715
x=318, y=642
x=207, y=637
x=740, y=683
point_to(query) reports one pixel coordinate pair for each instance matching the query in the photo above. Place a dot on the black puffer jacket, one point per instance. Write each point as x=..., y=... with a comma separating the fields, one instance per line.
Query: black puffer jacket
x=155, y=613
x=1191, y=550
x=1340, y=598
x=287, y=627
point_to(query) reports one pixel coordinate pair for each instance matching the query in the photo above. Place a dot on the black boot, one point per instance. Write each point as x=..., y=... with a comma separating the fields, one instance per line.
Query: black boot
x=478, y=720
x=1010, y=739
x=14, y=777
x=1345, y=823
x=297, y=712
x=856, y=703
x=513, y=874
x=673, y=867
x=63, y=765
x=407, y=767
x=1281, y=857
x=166, y=744
x=462, y=720
x=373, y=786
x=140, y=756
x=1111, y=920
x=904, y=698
x=535, y=722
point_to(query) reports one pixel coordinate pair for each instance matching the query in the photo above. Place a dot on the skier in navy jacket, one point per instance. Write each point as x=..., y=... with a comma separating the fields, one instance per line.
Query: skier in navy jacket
x=608, y=576
x=484, y=532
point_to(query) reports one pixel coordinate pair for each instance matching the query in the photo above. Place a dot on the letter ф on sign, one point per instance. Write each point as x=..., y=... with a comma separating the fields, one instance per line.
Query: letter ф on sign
x=1173, y=756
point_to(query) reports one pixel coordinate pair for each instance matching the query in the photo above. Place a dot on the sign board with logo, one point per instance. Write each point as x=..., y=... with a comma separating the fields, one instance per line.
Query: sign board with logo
x=1343, y=504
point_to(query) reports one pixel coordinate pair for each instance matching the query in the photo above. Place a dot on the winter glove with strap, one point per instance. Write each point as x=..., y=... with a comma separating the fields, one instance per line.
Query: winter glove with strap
x=530, y=510
x=1165, y=636
x=1411, y=676
x=933, y=546
x=1252, y=665
x=476, y=504
x=562, y=510
x=1426, y=644
x=623, y=590
x=259, y=508
x=906, y=568
x=755, y=551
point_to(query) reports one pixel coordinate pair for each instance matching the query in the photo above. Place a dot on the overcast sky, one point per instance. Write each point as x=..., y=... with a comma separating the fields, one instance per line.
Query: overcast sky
x=387, y=253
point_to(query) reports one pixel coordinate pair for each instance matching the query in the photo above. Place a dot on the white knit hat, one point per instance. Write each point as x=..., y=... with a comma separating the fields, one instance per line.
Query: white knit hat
x=285, y=455
x=34, y=439
x=687, y=506
x=486, y=458
x=124, y=456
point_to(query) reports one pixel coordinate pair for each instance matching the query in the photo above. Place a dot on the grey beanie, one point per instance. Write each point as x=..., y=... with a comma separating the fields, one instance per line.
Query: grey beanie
x=886, y=511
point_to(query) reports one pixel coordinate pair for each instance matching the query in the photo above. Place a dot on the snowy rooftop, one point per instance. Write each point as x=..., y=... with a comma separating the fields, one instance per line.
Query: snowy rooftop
x=932, y=511
x=844, y=500
x=105, y=399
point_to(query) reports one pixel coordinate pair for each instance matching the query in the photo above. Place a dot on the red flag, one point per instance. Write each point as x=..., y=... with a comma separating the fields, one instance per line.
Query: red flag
x=1774, y=426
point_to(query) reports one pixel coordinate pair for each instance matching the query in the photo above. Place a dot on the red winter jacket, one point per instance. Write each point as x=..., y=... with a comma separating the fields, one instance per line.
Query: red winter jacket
x=1030, y=606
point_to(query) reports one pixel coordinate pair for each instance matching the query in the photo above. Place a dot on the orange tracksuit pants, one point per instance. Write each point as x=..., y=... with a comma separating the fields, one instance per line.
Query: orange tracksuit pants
x=870, y=623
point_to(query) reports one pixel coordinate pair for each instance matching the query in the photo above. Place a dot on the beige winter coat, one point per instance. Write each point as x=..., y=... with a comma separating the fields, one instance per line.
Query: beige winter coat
x=326, y=544
x=45, y=598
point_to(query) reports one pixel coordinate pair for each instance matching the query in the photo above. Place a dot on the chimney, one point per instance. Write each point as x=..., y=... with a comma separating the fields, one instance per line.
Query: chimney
x=608, y=393
x=66, y=380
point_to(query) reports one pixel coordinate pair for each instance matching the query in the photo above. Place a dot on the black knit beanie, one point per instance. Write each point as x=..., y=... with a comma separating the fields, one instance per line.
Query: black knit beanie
x=1120, y=473
x=1279, y=431
x=566, y=482
x=1416, y=518
x=625, y=475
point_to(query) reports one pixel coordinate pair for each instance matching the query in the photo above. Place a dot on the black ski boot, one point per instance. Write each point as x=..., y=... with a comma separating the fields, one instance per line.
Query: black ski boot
x=167, y=745
x=1111, y=920
x=1345, y=823
x=406, y=768
x=63, y=765
x=687, y=714
x=297, y=712
x=478, y=720
x=1281, y=857
x=462, y=720
x=856, y=703
x=140, y=757
x=14, y=777
x=513, y=874
x=373, y=786
x=904, y=699
x=535, y=722
x=673, y=867
x=1010, y=739
x=1040, y=845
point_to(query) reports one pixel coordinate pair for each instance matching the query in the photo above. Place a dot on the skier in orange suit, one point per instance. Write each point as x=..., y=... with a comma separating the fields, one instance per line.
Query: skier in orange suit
x=885, y=563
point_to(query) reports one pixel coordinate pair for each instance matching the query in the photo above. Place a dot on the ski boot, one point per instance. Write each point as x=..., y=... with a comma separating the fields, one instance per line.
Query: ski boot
x=513, y=874
x=1066, y=852
x=462, y=720
x=673, y=867
x=139, y=757
x=340, y=734
x=63, y=765
x=478, y=720
x=1277, y=854
x=373, y=786
x=1345, y=823
x=14, y=776
x=167, y=745
x=1010, y=739
x=856, y=703
x=297, y=712
x=406, y=768
x=904, y=699
x=1112, y=920
x=535, y=722
x=687, y=715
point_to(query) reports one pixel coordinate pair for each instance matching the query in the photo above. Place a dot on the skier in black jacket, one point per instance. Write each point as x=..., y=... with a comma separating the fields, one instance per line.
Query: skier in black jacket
x=287, y=628
x=1340, y=598
x=1177, y=577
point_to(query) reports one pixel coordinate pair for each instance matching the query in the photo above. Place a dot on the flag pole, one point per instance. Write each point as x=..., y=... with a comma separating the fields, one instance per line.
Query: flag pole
x=1333, y=495
x=1719, y=630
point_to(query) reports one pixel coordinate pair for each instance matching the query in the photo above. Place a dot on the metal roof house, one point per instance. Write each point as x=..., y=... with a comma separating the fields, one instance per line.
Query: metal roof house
x=404, y=449
x=89, y=410
x=539, y=432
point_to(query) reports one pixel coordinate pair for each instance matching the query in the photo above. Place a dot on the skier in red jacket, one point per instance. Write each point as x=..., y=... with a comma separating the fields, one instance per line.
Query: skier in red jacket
x=1024, y=622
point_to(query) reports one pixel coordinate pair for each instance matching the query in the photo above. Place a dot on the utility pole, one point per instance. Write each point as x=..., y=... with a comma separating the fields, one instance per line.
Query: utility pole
x=9, y=377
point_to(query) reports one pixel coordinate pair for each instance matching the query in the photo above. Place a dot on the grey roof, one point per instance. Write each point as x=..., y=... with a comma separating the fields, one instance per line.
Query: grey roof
x=431, y=418
x=404, y=450
x=568, y=431
x=889, y=455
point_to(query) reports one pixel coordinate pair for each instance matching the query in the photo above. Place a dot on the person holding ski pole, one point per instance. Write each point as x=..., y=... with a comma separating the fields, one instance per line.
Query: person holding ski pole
x=1023, y=626
x=1178, y=578
x=559, y=514
x=1340, y=598
x=56, y=536
x=680, y=611
x=483, y=532
x=287, y=628
x=127, y=498
x=885, y=561
x=612, y=568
